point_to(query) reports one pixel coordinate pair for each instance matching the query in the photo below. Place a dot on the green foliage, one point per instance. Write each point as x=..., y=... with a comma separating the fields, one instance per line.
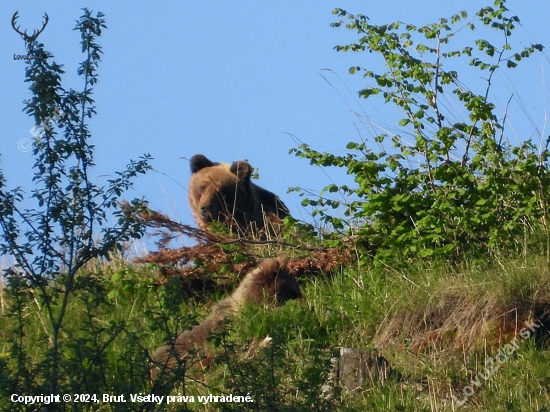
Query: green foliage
x=67, y=229
x=115, y=316
x=269, y=374
x=447, y=187
x=125, y=312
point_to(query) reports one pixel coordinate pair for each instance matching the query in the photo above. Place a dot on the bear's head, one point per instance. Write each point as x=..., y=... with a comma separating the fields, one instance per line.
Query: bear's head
x=224, y=193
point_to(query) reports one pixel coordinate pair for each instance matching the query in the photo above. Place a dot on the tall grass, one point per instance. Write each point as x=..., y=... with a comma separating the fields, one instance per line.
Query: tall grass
x=436, y=325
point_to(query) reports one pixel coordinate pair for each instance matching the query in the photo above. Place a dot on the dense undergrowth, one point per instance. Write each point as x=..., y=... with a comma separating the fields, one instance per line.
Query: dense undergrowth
x=436, y=325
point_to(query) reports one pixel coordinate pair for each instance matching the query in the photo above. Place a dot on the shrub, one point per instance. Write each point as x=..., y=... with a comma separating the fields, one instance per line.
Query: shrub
x=53, y=242
x=451, y=187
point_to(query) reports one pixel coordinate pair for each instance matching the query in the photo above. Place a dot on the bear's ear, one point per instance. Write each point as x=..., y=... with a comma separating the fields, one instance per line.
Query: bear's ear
x=242, y=170
x=199, y=162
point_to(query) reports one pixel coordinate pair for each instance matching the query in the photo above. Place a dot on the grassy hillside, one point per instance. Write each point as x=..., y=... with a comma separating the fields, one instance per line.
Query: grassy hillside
x=438, y=327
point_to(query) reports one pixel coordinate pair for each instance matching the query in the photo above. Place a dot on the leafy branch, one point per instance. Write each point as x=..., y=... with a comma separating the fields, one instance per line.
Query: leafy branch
x=468, y=193
x=67, y=229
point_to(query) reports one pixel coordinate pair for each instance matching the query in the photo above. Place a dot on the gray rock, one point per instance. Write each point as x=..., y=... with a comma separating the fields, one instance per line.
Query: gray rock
x=353, y=370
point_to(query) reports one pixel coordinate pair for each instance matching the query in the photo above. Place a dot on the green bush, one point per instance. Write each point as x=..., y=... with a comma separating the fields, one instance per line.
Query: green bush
x=456, y=187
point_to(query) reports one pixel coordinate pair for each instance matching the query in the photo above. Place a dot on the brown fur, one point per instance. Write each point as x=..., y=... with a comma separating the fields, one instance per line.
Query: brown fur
x=204, y=185
x=224, y=193
x=269, y=281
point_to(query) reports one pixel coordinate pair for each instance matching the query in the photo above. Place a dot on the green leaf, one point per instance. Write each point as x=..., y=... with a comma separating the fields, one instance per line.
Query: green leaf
x=426, y=252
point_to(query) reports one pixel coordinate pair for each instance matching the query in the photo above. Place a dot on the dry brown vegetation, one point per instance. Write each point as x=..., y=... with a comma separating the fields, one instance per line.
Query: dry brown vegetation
x=206, y=264
x=464, y=315
x=221, y=253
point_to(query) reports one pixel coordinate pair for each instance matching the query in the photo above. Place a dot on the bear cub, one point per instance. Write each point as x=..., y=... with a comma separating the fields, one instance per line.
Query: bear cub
x=220, y=192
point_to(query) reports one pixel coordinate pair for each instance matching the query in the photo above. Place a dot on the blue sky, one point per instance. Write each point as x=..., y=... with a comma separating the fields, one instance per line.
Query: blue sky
x=233, y=80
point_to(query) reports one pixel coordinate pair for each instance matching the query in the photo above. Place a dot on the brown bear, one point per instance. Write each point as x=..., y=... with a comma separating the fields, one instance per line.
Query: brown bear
x=224, y=193
x=269, y=281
